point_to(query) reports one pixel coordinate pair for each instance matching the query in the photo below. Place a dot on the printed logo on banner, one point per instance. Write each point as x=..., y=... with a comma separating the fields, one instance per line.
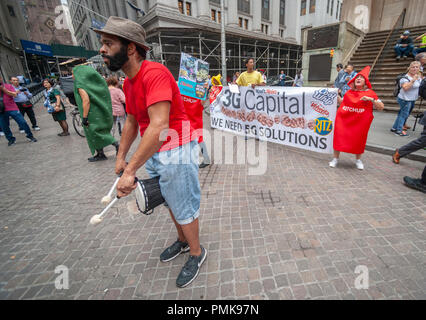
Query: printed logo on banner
x=325, y=96
x=320, y=109
x=323, y=126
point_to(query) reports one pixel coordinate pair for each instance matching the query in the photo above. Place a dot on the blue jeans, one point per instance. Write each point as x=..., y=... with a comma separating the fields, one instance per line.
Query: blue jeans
x=179, y=184
x=403, y=51
x=17, y=116
x=416, y=51
x=404, y=112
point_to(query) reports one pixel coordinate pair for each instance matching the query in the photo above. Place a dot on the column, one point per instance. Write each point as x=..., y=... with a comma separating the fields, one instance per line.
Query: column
x=232, y=13
x=257, y=15
x=203, y=9
x=112, y=8
x=275, y=17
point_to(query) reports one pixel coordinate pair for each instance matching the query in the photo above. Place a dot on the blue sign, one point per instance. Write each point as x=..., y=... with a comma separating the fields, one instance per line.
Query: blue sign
x=37, y=48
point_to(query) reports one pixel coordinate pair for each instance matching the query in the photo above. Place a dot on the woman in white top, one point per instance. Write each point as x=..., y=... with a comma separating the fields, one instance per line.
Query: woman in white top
x=298, y=80
x=407, y=97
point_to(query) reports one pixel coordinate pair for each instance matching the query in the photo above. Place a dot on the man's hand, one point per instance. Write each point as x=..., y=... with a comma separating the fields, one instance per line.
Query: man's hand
x=85, y=122
x=126, y=185
x=253, y=86
x=120, y=165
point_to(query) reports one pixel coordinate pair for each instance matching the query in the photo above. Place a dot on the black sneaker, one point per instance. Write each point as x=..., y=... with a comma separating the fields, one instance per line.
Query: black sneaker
x=415, y=184
x=174, y=250
x=393, y=130
x=203, y=165
x=11, y=143
x=98, y=157
x=191, y=269
x=32, y=139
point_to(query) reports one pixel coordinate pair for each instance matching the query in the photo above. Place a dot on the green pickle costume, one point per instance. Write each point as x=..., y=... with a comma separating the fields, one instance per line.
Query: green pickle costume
x=98, y=133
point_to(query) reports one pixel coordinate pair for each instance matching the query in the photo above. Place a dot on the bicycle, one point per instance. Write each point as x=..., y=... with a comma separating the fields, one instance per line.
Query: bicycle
x=77, y=123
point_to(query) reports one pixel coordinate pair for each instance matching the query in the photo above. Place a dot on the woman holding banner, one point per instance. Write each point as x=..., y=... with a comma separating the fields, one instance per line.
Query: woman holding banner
x=354, y=118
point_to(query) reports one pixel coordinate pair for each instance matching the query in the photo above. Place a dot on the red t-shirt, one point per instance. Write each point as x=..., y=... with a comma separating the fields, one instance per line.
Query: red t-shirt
x=9, y=102
x=154, y=83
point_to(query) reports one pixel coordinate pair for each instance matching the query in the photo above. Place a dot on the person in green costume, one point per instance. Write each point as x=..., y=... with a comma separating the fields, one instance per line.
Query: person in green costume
x=94, y=103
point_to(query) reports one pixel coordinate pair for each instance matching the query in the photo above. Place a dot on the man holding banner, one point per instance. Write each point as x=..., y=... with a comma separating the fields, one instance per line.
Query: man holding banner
x=250, y=77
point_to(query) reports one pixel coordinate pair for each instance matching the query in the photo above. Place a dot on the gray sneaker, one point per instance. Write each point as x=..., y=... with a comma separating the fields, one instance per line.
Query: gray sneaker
x=174, y=250
x=191, y=269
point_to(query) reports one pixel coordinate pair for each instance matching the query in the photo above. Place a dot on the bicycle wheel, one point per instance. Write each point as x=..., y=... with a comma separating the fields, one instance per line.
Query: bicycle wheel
x=78, y=126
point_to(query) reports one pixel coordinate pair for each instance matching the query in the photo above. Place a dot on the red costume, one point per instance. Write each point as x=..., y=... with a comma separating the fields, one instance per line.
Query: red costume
x=354, y=118
x=194, y=111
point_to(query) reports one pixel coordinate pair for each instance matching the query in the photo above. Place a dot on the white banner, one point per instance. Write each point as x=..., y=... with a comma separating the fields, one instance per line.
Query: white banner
x=298, y=117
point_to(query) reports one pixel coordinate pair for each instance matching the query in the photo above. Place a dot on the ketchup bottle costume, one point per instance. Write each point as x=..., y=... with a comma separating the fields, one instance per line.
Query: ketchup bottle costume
x=354, y=118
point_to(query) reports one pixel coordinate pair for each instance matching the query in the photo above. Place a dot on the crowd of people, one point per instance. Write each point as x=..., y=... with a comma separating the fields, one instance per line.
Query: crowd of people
x=149, y=102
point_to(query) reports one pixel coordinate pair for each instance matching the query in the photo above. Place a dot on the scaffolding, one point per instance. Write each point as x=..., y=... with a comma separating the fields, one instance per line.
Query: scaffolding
x=269, y=56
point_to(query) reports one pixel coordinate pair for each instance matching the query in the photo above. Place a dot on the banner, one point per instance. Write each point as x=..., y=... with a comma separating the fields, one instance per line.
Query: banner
x=297, y=117
x=40, y=49
x=193, y=77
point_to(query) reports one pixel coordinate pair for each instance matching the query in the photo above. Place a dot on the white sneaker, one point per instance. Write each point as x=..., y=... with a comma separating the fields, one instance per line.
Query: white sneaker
x=359, y=165
x=333, y=163
x=36, y=129
x=2, y=134
x=22, y=131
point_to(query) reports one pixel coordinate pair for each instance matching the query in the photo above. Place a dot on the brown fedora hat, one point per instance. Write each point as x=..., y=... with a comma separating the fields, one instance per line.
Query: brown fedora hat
x=127, y=29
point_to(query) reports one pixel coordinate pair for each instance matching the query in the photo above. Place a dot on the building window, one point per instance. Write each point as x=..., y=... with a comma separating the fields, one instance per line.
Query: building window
x=303, y=8
x=219, y=17
x=180, y=5
x=246, y=24
x=213, y=15
x=265, y=9
x=328, y=6
x=188, y=9
x=331, y=9
x=264, y=28
x=312, y=6
x=282, y=12
x=281, y=33
x=11, y=11
x=244, y=6
x=215, y=1
x=240, y=22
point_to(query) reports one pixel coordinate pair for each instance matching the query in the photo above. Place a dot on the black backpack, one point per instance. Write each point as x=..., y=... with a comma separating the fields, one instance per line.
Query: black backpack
x=397, y=88
x=422, y=89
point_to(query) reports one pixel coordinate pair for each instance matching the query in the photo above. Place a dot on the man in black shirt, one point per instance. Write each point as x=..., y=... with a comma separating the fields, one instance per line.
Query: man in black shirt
x=404, y=46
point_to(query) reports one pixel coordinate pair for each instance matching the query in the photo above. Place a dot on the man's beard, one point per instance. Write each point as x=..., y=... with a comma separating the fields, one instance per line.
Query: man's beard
x=117, y=61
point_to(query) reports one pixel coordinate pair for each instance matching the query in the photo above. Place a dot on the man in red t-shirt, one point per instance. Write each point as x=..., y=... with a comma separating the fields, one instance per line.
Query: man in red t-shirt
x=168, y=147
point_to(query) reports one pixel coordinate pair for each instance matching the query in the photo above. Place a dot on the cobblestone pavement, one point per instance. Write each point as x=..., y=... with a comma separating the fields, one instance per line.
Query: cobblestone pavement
x=296, y=232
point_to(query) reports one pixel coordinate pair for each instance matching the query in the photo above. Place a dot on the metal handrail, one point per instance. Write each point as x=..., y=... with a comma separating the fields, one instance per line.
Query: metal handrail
x=387, y=39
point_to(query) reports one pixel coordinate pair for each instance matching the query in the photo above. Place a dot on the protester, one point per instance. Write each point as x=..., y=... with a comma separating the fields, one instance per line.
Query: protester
x=154, y=104
x=414, y=145
x=94, y=104
x=349, y=74
x=407, y=97
x=118, y=101
x=354, y=118
x=340, y=74
x=216, y=80
x=8, y=92
x=194, y=110
x=282, y=79
x=24, y=104
x=404, y=47
x=298, y=80
x=250, y=77
x=55, y=106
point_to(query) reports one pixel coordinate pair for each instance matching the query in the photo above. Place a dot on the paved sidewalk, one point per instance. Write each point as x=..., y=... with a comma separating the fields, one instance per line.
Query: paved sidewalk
x=381, y=139
x=296, y=232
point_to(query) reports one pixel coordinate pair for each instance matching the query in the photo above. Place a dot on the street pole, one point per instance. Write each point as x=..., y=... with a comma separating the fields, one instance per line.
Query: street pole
x=223, y=38
x=26, y=64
